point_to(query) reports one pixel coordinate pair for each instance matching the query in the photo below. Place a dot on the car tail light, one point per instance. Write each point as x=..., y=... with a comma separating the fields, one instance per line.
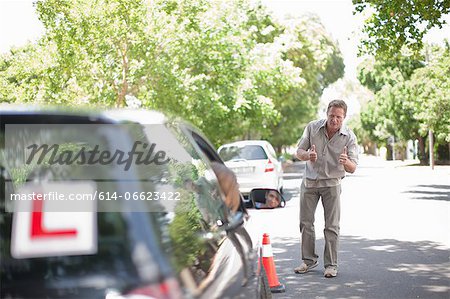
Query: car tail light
x=168, y=289
x=269, y=166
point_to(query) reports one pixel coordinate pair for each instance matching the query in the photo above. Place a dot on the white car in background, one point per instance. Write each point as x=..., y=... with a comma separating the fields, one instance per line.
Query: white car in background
x=255, y=164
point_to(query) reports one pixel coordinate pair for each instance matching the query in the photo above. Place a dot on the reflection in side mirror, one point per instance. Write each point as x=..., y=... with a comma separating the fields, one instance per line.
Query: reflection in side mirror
x=267, y=199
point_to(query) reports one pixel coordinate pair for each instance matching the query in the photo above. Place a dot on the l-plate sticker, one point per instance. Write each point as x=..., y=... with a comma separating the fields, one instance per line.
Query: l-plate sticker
x=43, y=232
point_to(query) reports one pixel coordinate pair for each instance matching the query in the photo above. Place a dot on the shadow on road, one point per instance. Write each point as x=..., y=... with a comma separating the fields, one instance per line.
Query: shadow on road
x=293, y=167
x=289, y=194
x=430, y=192
x=368, y=269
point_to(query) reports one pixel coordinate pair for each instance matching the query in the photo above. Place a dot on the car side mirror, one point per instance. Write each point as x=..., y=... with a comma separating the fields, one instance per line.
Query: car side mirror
x=267, y=199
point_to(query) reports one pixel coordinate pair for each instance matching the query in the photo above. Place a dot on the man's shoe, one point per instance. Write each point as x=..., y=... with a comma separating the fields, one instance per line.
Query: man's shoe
x=303, y=268
x=330, y=272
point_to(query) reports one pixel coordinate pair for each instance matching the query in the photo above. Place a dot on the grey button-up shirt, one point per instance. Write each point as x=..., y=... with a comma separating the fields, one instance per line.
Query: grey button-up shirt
x=327, y=171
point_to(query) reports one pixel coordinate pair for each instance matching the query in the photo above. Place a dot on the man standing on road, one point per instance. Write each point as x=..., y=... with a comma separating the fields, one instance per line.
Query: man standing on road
x=330, y=150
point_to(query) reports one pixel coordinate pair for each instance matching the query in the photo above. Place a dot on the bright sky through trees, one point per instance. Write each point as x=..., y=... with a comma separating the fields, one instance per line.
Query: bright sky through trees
x=19, y=23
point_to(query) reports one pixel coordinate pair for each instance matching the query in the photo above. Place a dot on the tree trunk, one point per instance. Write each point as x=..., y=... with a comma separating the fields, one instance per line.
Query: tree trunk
x=422, y=154
x=431, y=148
x=124, y=85
x=443, y=154
x=279, y=149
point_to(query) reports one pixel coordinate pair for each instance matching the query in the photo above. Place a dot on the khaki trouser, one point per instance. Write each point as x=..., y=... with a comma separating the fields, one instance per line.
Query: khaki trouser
x=309, y=198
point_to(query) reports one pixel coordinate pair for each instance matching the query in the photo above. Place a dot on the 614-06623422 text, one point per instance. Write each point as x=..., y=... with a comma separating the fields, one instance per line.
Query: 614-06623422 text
x=143, y=195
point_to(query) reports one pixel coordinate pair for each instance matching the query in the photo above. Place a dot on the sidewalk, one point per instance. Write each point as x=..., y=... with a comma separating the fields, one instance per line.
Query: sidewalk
x=369, y=160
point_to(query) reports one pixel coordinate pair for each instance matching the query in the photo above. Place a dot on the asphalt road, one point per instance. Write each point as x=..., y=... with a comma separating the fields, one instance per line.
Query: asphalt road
x=395, y=234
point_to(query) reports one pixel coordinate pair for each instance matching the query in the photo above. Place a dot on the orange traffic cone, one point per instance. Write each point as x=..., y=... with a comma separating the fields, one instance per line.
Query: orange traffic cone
x=269, y=266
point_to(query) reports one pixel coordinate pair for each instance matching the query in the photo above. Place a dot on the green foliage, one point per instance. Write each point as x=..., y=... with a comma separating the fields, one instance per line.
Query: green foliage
x=364, y=138
x=184, y=232
x=408, y=107
x=228, y=67
x=307, y=48
x=374, y=74
x=397, y=23
x=100, y=46
x=429, y=90
x=261, y=25
x=26, y=73
x=20, y=175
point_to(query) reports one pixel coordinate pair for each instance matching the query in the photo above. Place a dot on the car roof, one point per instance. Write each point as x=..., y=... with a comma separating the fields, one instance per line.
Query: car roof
x=30, y=109
x=71, y=114
x=141, y=116
x=111, y=116
x=246, y=142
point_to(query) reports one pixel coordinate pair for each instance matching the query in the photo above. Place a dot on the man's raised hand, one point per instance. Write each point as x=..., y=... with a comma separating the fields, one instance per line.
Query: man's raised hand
x=312, y=154
x=343, y=157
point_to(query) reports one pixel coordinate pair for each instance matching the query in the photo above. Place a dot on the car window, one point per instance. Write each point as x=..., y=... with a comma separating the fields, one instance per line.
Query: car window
x=213, y=157
x=42, y=274
x=247, y=152
x=193, y=231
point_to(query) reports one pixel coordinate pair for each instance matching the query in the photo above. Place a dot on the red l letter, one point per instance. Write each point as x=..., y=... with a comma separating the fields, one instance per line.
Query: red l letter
x=37, y=228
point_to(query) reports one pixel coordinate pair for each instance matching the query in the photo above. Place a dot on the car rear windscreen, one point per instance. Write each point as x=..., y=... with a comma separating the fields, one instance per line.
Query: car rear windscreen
x=248, y=152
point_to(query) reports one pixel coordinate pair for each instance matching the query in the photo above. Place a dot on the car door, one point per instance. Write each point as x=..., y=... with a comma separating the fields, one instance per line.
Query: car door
x=192, y=225
x=238, y=236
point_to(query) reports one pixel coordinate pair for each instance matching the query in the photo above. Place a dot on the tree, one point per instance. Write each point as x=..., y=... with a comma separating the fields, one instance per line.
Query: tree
x=398, y=23
x=392, y=29
x=226, y=66
x=429, y=88
x=100, y=46
x=186, y=58
x=307, y=46
x=25, y=73
x=376, y=73
x=408, y=107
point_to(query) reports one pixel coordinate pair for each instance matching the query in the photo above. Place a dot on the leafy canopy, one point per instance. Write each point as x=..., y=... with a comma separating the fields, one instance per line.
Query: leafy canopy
x=391, y=25
x=228, y=67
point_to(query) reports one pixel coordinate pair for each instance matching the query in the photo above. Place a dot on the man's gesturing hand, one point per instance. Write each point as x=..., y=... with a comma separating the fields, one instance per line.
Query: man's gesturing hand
x=343, y=157
x=312, y=154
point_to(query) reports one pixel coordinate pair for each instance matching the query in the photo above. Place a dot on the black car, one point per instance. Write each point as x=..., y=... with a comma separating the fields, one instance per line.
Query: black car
x=118, y=204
